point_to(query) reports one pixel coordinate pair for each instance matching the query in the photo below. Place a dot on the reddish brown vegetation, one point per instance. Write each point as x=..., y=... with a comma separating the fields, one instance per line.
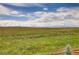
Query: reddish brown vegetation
x=74, y=52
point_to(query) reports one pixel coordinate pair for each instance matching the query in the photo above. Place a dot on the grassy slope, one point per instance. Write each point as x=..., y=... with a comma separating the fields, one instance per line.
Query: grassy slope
x=37, y=40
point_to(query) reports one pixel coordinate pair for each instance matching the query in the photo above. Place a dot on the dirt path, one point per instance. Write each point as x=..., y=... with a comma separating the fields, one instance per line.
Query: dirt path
x=73, y=52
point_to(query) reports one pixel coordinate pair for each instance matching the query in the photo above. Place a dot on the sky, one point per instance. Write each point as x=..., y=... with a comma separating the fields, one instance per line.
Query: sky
x=39, y=14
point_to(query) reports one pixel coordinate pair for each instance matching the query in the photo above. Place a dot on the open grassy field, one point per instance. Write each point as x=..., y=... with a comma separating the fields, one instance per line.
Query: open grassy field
x=37, y=40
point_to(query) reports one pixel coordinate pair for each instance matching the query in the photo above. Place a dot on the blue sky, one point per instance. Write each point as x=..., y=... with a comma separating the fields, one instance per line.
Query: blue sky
x=40, y=13
x=29, y=8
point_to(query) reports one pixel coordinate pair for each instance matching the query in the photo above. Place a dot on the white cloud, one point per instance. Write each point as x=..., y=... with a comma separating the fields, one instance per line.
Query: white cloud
x=52, y=24
x=61, y=13
x=68, y=13
x=4, y=10
x=64, y=17
x=6, y=23
x=7, y=11
x=27, y=4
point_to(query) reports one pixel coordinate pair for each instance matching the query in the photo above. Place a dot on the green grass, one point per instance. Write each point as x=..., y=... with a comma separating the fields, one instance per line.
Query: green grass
x=37, y=40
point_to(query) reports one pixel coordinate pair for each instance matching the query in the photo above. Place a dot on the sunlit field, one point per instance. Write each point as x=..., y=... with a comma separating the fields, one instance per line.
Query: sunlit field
x=35, y=41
